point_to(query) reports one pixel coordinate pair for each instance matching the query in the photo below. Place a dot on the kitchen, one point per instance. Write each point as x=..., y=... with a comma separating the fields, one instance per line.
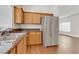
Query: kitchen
x=39, y=29
x=27, y=29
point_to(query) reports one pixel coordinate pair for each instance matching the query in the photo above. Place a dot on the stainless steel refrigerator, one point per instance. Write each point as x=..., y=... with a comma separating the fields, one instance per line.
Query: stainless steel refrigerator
x=50, y=29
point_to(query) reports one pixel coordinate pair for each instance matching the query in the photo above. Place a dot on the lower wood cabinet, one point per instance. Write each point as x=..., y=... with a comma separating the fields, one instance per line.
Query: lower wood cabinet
x=34, y=38
x=22, y=46
x=13, y=51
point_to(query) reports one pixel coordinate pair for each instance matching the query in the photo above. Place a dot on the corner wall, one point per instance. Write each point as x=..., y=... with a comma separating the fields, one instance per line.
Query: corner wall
x=5, y=16
x=74, y=19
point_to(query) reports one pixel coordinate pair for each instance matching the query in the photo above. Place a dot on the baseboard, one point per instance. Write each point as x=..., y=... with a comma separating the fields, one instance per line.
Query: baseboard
x=52, y=46
x=71, y=35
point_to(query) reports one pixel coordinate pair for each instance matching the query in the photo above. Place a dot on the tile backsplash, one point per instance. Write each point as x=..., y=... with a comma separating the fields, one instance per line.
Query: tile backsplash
x=27, y=26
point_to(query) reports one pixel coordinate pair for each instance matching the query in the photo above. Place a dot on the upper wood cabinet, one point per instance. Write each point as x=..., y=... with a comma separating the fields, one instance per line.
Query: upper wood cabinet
x=36, y=19
x=43, y=15
x=21, y=17
x=18, y=15
x=32, y=18
x=27, y=18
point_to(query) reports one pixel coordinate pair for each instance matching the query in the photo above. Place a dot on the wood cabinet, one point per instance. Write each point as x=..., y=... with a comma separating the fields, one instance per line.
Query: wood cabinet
x=21, y=46
x=43, y=15
x=34, y=38
x=21, y=17
x=13, y=51
x=36, y=19
x=31, y=18
x=25, y=45
x=18, y=15
x=27, y=18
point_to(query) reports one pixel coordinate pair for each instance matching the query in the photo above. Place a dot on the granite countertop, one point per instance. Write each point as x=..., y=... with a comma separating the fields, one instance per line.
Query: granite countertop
x=22, y=29
x=15, y=36
x=8, y=45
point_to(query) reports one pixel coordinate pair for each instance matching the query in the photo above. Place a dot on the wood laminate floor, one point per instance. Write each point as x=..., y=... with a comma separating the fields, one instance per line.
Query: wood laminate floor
x=67, y=45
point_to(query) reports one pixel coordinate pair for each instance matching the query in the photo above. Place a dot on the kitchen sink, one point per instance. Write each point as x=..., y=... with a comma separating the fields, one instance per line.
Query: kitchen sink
x=6, y=39
x=10, y=38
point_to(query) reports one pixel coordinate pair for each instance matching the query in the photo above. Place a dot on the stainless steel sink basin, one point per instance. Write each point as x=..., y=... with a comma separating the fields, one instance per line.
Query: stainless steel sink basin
x=6, y=39
x=10, y=38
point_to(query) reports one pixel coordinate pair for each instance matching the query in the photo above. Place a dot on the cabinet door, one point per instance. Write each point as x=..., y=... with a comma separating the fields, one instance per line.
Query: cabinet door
x=18, y=15
x=22, y=15
x=24, y=45
x=20, y=47
x=38, y=37
x=13, y=51
x=36, y=19
x=34, y=38
x=28, y=18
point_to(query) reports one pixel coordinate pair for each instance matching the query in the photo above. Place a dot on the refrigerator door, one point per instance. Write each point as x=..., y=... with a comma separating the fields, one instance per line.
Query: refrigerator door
x=50, y=28
x=54, y=30
x=46, y=31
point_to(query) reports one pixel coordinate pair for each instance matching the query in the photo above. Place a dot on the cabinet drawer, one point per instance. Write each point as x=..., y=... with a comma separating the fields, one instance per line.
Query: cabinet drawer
x=34, y=38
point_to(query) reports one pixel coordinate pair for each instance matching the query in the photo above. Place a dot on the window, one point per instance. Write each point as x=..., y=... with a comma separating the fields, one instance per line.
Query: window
x=65, y=26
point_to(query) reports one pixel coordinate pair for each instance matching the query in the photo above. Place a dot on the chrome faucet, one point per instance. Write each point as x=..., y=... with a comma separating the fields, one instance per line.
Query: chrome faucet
x=2, y=33
x=6, y=33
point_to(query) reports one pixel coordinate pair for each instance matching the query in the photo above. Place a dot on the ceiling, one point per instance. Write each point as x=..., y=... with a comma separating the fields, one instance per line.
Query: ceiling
x=64, y=10
x=57, y=10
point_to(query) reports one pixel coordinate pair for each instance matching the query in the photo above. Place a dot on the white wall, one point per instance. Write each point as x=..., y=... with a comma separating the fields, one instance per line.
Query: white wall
x=41, y=8
x=64, y=10
x=70, y=14
x=75, y=25
x=5, y=16
x=74, y=19
x=65, y=26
